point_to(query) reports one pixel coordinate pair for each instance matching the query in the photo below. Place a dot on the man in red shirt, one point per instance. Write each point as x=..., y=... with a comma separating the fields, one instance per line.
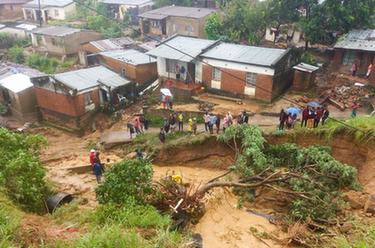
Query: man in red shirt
x=92, y=157
x=305, y=116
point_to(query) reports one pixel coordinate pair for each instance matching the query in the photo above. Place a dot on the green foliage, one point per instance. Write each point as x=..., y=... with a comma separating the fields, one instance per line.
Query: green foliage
x=321, y=176
x=21, y=173
x=130, y=215
x=48, y=65
x=10, y=218
x=16, y=55
x=162, y=3
x=109, y=28
x=126, y=181
x=213, y=26
x=7, y=41
x=107, y=237
x=308, y=58
x=42, y=63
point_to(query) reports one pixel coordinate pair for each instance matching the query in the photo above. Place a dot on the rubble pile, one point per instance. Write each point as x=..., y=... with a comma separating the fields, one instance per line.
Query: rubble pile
x=206, y=106
x=345, y=95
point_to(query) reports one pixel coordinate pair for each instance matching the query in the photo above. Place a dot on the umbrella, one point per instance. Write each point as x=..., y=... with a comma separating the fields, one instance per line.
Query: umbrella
x=313, y=104
x=166, y=92
x=293, y=110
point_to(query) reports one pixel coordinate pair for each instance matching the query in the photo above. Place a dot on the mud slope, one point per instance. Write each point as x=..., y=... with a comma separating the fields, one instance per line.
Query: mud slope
x=344, y=149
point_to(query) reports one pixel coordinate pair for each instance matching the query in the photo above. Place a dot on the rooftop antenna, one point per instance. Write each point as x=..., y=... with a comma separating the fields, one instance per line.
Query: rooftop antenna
x=40, y=14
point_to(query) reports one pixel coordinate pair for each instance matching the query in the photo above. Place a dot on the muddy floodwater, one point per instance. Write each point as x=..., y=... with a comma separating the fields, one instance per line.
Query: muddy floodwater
x=224, y=225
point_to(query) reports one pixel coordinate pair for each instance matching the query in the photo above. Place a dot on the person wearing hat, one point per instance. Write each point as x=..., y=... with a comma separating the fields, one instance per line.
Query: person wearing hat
x=92, y=157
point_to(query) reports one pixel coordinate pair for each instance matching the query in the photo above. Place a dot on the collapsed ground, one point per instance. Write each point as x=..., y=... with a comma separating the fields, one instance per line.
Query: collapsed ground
x=224, y=223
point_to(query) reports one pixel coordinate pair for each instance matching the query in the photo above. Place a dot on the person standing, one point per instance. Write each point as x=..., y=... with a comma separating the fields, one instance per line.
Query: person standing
x=162, y=135
x=172, y=121
x=92, y=157
x=180, y=122
x=190, y=124
x=369, y=70
x=230, y=119
x=130, y=127
x=325, y=115
x=213, y=120
x=182, y=72
x=206, y=118
x=217, y=123
x=164, y=101
x=354, y=69
x=195, y=126
x=245, y=117
x=305, y=116
x=355, y=107
x=137, y=125
x=225, y=123
x=282, y=119
x=166, y=125
x=318, y=116
x=98, y=170
x=310, y=118
x=177, y=70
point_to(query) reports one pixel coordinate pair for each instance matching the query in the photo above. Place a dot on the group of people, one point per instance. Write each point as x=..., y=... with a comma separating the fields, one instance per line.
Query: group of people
x=354, y=69
x=212, y=123
x=138, y=125
x=311, y=117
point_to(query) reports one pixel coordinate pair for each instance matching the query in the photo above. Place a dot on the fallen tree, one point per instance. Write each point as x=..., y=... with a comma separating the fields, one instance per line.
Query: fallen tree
x=310, y=179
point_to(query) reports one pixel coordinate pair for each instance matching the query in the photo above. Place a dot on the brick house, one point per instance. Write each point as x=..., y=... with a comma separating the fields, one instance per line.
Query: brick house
x=17, y=90
x=131, y=64
x=356, y=46
x=237, y=70
x=118, y=9
x=263, y=73
x=11, y=10
x=49, y=10
x=172, y=20
x=61, y=41
x=71, y=98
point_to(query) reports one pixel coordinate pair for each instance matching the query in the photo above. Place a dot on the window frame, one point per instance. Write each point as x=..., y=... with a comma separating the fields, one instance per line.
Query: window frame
x=349, y=57
x=251, y=79
x=170, y=65
x=88, y=99
x=216, y=74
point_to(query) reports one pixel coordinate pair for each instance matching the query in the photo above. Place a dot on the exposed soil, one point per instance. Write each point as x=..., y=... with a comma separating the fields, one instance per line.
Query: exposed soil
x=344, y=149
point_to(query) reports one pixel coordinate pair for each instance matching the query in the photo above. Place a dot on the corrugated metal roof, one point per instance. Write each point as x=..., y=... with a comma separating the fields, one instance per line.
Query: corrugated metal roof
x=56, y=31
x=90, y=78
x=48, y=3
x=8, y=68
x=13, y=1
x=245, y=54
x=26, y=26
x=16, y=82
x=130, y=56
x=170, y=49
x=112, y=44
x=358, y=40
x=179, y=11
x=128, y=2
x=305, y=67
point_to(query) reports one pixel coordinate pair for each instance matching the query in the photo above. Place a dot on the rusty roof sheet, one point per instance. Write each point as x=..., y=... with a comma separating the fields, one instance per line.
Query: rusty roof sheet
x=363, y=40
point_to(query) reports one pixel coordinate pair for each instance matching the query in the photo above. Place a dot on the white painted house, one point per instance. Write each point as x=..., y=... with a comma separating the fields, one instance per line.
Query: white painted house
x=50, y=10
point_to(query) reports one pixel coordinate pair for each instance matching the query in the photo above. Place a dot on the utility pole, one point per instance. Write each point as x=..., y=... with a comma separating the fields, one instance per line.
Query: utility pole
x=40, y=14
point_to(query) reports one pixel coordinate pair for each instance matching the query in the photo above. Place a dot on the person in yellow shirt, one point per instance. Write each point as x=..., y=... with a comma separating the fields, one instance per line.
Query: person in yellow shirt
x=190, y=127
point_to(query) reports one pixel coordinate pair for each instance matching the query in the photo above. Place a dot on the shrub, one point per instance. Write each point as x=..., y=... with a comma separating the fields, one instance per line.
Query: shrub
x=130, y=215
x=16, y=55
x=42, y=63
x=127, y=181
x=21, y=173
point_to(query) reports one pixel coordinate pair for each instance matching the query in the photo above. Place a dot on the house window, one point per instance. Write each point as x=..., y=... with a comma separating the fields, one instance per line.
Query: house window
x=349, y=58
x=56, y=12
x=216, y=74
x=171, y=65
x=251, y=79
x=189, y=28
x=88, y=99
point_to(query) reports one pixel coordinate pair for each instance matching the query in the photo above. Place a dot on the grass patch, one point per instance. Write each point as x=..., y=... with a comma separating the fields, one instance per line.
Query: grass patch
x=363, y=130
x=10, y=219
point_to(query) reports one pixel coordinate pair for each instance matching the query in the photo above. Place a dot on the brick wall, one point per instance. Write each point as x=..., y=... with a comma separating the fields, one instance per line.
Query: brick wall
x=233, y=81
x=264, y=87
x=73, y=106
x=207, y=75
x=146, y=73
x=11, y=11
x=337, y=59
x=302, y=80
x=180, y=24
